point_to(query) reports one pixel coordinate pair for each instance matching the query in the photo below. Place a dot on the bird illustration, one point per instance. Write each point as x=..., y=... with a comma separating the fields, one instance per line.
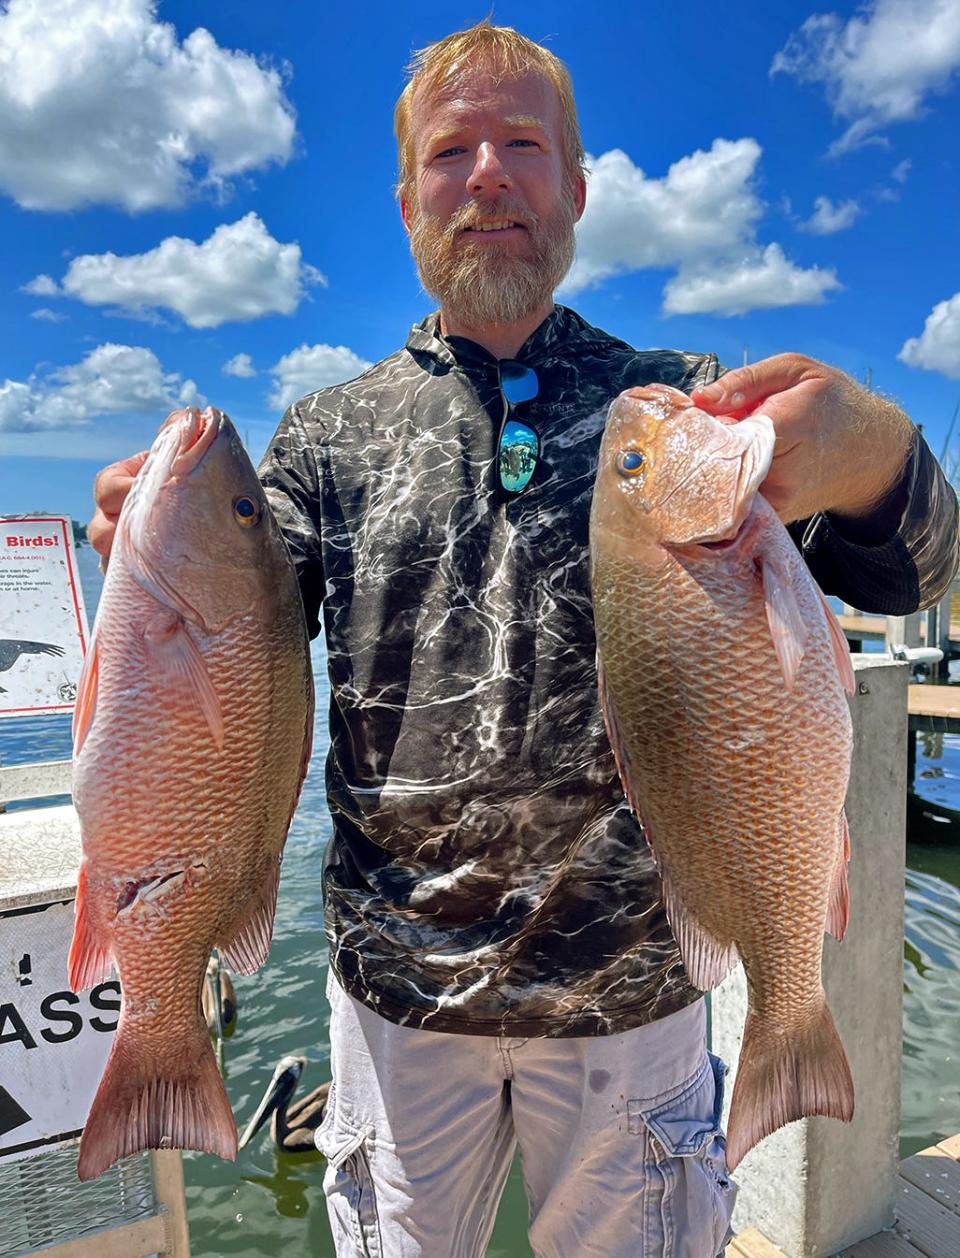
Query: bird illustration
x=11, y=650
x=293, y=1126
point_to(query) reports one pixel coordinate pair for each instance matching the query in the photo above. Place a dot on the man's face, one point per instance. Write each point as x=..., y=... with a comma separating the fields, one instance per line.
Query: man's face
x=492, y=208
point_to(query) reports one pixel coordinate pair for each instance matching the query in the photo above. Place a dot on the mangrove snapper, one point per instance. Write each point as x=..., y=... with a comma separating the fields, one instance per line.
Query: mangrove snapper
x=191, y=740
x=721, y=673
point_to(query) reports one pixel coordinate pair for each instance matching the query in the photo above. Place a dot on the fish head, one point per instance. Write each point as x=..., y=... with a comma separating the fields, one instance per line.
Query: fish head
x=196, y=530
x=671, y=475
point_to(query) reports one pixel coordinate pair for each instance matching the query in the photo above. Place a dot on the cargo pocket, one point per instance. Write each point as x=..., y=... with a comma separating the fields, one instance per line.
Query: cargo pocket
x=348, y=1182
x=690, y=1196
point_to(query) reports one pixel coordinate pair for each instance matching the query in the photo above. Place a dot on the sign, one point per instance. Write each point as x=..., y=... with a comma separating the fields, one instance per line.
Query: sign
x=53, y=1042
x=43, y=624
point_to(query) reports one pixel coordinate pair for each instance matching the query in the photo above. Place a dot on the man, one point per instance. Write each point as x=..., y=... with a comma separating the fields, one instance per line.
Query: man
x=501, y=966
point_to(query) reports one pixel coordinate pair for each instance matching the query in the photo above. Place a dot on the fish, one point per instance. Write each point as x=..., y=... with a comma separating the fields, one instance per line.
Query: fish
x=192, y=735
x=722, y=674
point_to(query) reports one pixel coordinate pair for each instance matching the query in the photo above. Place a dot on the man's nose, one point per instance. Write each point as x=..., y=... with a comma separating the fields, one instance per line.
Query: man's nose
x=488, y=176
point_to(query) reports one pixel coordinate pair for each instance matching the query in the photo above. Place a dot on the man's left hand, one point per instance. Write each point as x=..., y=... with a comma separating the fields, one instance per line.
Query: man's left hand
x=839, y=447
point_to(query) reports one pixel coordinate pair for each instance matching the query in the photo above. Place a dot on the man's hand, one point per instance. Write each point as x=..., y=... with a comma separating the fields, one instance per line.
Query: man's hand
x=839, y=448
x=111, y=486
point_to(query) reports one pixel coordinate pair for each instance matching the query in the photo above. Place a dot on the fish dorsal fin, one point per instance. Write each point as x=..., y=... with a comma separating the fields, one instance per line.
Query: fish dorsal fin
x=175, y=655
x=838, y=914
x=248, y=947
x=841, y=648
x=86, y=701
x=784, y=617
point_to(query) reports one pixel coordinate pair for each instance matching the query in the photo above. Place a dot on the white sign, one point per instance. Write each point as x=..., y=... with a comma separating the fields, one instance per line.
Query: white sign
x=53, y=1042
x=43, y=624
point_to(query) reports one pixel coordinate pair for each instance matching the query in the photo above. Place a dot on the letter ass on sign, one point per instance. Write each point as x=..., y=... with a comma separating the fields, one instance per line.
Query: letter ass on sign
x=53, y=1041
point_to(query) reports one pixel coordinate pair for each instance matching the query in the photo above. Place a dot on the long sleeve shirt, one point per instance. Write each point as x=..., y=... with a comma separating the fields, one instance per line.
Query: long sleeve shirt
x=485, y=874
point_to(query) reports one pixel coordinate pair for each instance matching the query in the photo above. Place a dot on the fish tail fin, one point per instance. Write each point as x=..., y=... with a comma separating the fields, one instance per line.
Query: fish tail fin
x=147, y=1102
x=784, y=1075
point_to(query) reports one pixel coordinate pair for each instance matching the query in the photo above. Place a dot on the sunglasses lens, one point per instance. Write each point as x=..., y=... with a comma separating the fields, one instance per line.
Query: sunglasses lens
x=519, y=447
x=519, y=382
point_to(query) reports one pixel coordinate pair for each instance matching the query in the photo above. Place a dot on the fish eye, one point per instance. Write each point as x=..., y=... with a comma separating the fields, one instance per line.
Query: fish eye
x=630, y=462
x=246, y=512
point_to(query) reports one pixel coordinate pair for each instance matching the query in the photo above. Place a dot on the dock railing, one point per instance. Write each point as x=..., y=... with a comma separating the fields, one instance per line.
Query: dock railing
x=51, y=1054
x=819, y=1185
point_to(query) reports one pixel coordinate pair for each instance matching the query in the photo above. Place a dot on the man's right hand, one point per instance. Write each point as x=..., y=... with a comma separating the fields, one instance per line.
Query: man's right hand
x=110, y=488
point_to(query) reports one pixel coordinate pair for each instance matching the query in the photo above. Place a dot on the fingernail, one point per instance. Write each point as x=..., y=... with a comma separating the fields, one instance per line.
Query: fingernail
x=737, y=400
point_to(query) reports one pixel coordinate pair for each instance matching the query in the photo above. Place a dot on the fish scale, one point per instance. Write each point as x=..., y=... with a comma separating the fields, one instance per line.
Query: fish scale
x=735, y=758
x=184, y=807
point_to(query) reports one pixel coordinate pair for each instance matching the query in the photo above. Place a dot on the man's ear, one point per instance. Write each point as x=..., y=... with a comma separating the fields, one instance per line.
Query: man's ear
x=405, y=212
x=579, y=195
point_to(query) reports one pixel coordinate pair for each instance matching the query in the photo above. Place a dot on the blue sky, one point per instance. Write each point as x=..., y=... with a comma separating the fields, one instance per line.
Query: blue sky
x=189, y=185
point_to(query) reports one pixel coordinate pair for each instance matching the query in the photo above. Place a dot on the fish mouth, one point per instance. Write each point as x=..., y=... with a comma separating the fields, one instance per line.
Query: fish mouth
x=724, y=545
x=198, y=431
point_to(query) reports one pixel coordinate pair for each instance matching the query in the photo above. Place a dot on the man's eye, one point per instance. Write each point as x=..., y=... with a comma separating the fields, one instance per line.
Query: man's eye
x=450, y=152
x=534, y=143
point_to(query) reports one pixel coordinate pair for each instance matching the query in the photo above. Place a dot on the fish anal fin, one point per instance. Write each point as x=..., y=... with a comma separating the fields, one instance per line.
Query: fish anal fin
x=146, y=1103
x=783, y=1075
x=89, y=960
x=177, y=658
x=86, y=702
x=784, y=617
x=840, y=646
x=248, y=947
x=706, y=959
x=838, y=913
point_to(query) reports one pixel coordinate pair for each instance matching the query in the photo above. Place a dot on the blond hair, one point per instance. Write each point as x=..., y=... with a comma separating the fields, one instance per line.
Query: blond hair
x=507, y=54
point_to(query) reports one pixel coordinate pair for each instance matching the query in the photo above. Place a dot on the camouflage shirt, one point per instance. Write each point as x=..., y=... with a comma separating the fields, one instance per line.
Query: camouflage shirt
x=485, y=874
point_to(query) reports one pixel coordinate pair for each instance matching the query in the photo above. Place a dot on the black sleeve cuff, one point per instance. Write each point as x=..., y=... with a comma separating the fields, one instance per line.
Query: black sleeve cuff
x=908, y=561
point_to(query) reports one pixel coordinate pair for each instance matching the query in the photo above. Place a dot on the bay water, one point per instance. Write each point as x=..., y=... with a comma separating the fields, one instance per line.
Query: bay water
x=269, y=1202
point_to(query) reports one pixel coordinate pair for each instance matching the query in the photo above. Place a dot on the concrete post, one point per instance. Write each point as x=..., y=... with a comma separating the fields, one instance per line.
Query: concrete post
x=903, y=630
x=819, y=1185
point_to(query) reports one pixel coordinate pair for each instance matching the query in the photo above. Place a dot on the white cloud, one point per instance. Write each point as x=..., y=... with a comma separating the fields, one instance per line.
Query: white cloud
x=937, y=348
x=42, y=286
x=111, y=380
x=102, y=104
x=828, y=218
x=240, y=365
x=239, y=273
x=700, y=221
x=50, y=316
x=901, y=170
x=880, y=66
x=312, y=367
x=760, y=280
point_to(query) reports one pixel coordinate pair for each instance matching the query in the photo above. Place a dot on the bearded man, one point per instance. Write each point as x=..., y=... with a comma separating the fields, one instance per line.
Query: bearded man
x=501, y=968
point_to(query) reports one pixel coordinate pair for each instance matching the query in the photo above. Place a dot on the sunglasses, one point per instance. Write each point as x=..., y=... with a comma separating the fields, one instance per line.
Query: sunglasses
x=518, y=447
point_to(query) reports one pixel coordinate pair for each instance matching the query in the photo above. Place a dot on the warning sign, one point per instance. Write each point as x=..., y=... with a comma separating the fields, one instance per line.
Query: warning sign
x=43, y=624
x=53, y=1042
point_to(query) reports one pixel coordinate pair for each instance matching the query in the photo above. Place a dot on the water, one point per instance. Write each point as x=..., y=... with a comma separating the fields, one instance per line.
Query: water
x=269, y=1203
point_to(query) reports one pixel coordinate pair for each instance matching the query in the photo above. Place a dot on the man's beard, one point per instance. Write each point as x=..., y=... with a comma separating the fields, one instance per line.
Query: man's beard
x=482, y=284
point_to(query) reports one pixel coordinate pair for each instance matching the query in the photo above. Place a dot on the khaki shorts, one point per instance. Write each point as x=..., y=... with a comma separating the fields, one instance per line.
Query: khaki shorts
x=619, y=1139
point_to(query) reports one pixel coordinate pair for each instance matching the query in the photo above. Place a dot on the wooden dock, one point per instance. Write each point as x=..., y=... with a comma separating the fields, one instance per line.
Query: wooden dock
x=927, y=1223
x=934, y=710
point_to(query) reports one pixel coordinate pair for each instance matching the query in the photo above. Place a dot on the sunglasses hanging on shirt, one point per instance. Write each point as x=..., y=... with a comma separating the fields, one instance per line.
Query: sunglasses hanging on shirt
x=518, y=446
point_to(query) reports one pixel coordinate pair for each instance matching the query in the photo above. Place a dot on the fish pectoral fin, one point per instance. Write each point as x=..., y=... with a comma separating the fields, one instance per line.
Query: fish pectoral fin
x=784, y=617
x=706, y=959
x=249, y=946
x=175, y=655
x=89, y=961
x=86, y=701
x=838, y=914
x=841, y=648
